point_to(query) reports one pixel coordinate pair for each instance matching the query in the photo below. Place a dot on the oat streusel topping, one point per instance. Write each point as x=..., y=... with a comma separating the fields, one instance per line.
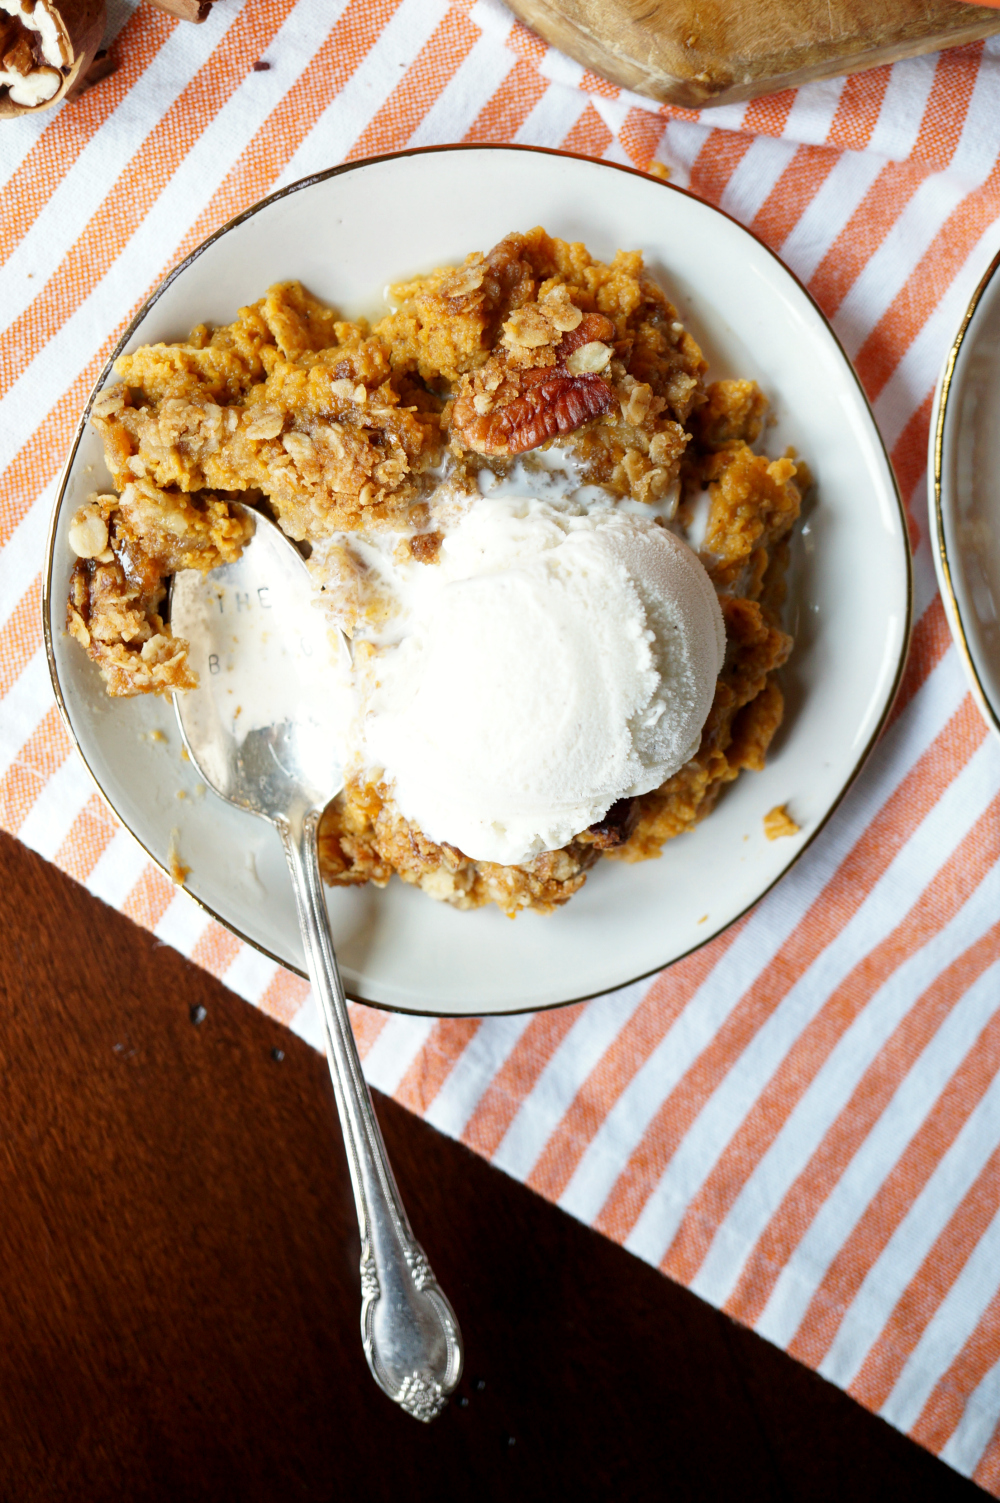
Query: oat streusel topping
x=343, y=431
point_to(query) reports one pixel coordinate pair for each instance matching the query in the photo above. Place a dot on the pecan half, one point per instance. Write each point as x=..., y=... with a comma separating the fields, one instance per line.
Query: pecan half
x=532, y=406
x=505, y=409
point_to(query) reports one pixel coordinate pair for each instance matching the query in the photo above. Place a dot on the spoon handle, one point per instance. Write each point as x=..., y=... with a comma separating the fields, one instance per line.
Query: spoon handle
x=409, y=1331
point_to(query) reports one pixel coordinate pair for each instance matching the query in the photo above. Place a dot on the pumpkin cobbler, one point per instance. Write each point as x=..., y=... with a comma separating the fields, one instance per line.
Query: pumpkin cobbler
x=556, y=551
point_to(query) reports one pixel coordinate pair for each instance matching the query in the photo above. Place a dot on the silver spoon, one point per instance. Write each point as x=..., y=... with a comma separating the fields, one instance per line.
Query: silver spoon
x=262, y=728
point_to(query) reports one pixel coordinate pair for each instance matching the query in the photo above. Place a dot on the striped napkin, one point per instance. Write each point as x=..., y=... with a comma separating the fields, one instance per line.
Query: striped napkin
x=801, y=1121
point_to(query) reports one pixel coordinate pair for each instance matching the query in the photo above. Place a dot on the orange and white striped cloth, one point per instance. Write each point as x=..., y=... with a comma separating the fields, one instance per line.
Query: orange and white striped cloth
x=801, y=1121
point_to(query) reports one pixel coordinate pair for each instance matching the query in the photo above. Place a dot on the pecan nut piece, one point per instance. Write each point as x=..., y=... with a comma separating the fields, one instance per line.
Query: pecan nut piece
x=547, y=403
x=506, y=409
x=593, y=328
x=509, y=279
x=616, y=826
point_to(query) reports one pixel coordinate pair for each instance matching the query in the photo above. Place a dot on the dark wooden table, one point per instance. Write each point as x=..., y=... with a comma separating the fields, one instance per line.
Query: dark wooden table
x=179, y=1307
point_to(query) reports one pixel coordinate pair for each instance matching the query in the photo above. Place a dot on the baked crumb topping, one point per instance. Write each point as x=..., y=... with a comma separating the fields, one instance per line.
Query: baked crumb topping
x=778, y=822
x=344, y=431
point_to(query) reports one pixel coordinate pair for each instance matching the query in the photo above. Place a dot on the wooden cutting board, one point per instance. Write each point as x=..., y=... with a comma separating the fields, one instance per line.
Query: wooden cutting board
x=704, y=52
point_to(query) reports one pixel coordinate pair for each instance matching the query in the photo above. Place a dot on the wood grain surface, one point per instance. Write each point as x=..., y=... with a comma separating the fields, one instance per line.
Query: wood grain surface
x=704, y=52
x=179, y=1300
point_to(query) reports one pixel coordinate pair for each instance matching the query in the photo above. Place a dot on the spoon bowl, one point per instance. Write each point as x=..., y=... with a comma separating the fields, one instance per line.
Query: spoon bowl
x=262, y=735
x=263, y=727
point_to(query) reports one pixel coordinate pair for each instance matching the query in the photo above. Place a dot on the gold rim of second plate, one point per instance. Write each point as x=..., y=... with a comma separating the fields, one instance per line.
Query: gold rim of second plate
x=953, y=609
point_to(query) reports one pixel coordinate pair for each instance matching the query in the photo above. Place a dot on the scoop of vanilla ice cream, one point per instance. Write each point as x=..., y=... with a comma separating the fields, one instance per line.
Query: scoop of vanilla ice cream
x=549, y=664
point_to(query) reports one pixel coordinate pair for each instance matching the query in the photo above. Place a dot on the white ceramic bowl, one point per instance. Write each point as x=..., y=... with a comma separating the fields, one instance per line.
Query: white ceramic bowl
x=347, y=233
x=964, y=483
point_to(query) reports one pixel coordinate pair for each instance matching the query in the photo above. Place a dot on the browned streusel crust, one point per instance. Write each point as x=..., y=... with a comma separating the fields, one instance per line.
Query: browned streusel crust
x=119, y=625
x=333, y=440
x=341, y=427
x=338, y=424
x=364, y=838
x=135, y=542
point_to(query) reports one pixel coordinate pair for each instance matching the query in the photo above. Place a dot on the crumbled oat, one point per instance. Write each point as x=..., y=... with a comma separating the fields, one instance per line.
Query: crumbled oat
x=589, y=358
x=529, y=328
x=267, y=422
x=88, y=531
x=561, y=311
